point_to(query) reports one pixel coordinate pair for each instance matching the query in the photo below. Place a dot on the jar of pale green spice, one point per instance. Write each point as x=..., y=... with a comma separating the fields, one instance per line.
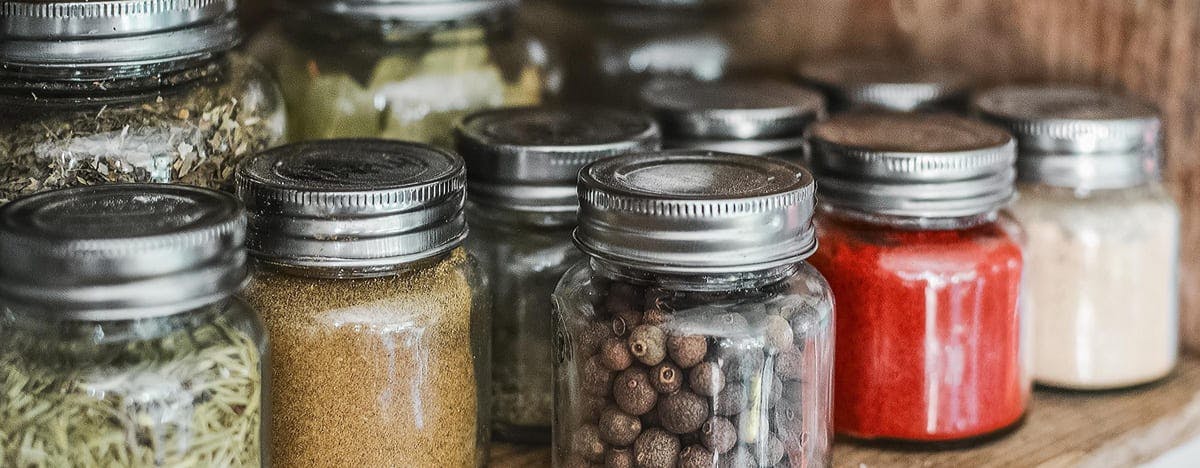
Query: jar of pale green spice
x=377, y=316
x=398, y=69
x=121, y=343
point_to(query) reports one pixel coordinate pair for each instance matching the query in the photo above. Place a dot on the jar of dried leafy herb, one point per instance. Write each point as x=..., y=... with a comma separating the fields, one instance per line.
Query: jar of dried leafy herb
x=762, y=117
x=398, y=69
x=120, y=341
x=886, y=83
x=127, y=91
x=694, y=334
x=523, y=163
x=377, y=317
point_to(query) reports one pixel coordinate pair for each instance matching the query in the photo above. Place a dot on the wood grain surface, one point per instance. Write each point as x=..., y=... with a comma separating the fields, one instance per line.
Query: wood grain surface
x=1063, y=429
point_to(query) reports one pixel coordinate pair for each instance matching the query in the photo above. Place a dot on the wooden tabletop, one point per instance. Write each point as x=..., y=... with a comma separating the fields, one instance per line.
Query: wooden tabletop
x=1120, y=428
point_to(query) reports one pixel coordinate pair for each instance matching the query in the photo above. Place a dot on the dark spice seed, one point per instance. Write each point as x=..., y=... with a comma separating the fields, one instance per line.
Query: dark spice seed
x=618, y=428
x=706, y=379
x=789, y=365
x=667, y=378
x=647, y=343
x=614, y=354
x=696, y=456
x=596, y=378
x=718, y=434
x=779, y=333
x=655, y=316
x=740, y=457
x=586, y=443
x=682, y=412
x=656, y=448
x=732, y=400
x=687, y=350
x=633, y=391
x=619, y=458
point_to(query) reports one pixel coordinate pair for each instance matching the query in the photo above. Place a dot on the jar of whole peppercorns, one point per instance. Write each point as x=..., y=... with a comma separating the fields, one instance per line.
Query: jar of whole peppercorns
x=694, y=334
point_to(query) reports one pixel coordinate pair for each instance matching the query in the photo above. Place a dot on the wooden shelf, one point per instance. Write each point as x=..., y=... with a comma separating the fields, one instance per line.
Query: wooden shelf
x=1120, y=428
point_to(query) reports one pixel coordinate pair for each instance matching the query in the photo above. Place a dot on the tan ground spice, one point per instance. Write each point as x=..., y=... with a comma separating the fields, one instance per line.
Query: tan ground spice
x=371, y=372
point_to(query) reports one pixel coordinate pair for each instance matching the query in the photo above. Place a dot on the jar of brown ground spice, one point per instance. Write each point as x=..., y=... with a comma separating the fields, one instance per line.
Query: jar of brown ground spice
x=377, y=316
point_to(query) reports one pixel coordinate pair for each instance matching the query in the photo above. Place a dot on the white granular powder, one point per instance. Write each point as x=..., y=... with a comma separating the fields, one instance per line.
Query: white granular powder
x=1103, y=279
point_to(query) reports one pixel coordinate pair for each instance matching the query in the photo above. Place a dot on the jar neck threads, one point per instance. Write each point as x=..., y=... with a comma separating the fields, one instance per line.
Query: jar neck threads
x=351, y=273
x=116, y=82
x=908, y=223
x=695, y=282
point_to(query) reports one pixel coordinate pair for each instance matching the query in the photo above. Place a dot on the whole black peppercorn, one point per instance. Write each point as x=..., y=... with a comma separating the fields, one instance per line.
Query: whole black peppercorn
x=682, y=412
x=656, y=448
x=789, y=365
x=595, y=377
x=618, y=428
x=706, y=379
x=614, y=354
x=687, y=350
x=718, y=434
x=586, y=443
x=666, y=377
x=633, y=391
x=619, y=458
x=740, y=457
x=648, y=344
x=732, y=400
x=696, y=456
x=779, y=333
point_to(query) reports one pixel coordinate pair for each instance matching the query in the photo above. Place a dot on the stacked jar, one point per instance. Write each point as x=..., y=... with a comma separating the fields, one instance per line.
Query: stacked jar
x=862, y=83
x=127, y=91
x=378, y=322
x=522, y=165
x=398, y=69
x=761, y=117
x=1103, y=235
x=926, y=273
x=694, y=334
x=121, y=343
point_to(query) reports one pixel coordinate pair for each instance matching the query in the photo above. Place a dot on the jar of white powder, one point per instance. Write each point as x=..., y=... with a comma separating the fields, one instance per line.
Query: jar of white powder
x=1103, y=235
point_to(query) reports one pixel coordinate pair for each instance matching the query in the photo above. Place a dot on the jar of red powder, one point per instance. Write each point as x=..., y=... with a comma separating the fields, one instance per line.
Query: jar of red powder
x=926, y=275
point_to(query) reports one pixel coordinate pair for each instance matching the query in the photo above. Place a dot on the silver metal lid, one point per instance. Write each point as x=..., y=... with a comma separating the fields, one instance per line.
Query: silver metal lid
x=123, y=251
x=664, y=4
x=417, y=11
x=915, y=165
x=883, y=83
x=352, y=204
x=792, y=149
x=696, y=212
x=114, y=32
x=1072, y=136
x=733, y=110
x=529, y=158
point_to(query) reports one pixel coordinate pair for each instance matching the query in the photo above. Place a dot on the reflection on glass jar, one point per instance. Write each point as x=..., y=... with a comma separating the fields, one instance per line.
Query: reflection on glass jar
x=399, y=70
x=378, y=320
x=523, y=164
x=143, y=359
x=86, y=109
x=673, y=350
x=1106, y=292
x=927, y=276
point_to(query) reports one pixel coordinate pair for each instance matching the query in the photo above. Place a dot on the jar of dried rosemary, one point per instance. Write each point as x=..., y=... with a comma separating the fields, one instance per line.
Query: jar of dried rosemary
x=523, y=163
x=398, y=69
x=120, y=341
x=156, y=97
x=377, y=317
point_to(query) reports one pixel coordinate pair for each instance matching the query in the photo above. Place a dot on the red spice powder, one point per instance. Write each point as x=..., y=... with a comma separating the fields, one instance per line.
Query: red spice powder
x=928, y=330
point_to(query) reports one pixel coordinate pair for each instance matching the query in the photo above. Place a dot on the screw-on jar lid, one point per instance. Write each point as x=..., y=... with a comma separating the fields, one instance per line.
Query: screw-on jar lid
x=663, y=4
x=113, y=32
x=352, y=204
x=417, y=11
x=122, y=251
x=529, y=158
x=883, y=83
x=913, y=164
x=731, y=110
x=1077, y=136
x=696, y=212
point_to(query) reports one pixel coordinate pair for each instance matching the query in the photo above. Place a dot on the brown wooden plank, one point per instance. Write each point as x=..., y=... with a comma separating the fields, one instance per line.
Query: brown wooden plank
x=1063, y=429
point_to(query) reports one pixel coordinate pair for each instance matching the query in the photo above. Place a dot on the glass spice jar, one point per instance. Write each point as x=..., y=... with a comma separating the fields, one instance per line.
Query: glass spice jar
x=522, y=166
x=128, y=91
x=760, y=117
x=887, y=84
x=121, y=343
x=1106, y=292
x=398, y=69
x=694, y=334
x=927, y=276
x=378, y=317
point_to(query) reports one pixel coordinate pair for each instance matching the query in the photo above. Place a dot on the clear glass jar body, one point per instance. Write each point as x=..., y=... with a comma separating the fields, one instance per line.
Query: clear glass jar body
x=1103, y=276
x=188, y=123
x=388, y=79
x=730, y=369
x=930, y=327
x=184, y=390
x=524, y=256
x=377, y=368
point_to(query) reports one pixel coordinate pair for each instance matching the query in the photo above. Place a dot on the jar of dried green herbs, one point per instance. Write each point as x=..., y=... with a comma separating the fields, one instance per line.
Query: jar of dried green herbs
x=522, y=164
x=398, y=69
x=127, y=91
x=121, y=343
x=378, y=317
